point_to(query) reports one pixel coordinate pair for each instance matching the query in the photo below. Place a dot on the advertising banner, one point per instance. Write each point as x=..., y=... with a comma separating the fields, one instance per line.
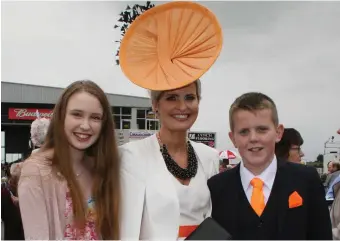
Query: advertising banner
x=208, y=138
x=28, y=113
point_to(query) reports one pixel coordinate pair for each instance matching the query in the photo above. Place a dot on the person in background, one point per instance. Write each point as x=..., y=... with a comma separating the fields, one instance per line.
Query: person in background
x=330, y=167
x=333, y=173
x=265, y=197
x=223, y=165
x=330, y=195
x=10, y=212
x=335, y=208
x=70, y=189
x=39, y=129
x=326, y=176
x=289, y=147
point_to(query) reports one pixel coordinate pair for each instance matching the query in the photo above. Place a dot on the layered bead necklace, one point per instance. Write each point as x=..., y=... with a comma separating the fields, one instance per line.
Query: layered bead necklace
x=173, y=167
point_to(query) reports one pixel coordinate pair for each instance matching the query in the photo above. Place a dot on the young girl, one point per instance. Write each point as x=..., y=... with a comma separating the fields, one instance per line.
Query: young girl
x=69, y=189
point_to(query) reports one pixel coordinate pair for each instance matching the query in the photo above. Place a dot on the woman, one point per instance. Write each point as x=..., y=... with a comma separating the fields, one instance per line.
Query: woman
x=69, y=189
x=165, y=192
x=289, y=147
x=39, y=129
x=164, y=177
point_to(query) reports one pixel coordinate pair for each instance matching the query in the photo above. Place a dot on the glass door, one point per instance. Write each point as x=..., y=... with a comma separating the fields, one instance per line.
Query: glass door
x=152, y=125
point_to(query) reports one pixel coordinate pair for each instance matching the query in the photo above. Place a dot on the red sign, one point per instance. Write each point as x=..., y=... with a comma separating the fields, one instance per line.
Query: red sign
x=28, y=114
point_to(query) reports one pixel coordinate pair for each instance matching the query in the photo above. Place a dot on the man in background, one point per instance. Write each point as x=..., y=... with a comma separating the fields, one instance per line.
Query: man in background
x=333, y=173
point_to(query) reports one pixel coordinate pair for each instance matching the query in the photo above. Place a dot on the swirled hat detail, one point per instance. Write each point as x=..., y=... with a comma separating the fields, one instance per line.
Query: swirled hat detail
x=170, y=45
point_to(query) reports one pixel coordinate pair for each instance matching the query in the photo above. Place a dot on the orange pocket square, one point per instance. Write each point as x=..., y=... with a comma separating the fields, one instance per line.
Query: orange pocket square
x=295, y=200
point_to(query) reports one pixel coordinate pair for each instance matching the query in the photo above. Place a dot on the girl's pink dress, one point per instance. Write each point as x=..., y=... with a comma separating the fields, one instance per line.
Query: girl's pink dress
x=89, y=232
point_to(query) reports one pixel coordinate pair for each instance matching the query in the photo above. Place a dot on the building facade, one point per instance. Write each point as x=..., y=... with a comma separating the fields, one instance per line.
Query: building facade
x=19, y=103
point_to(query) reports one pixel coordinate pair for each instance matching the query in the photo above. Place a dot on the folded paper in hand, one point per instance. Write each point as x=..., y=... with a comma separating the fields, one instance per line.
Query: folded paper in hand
x=209, y=229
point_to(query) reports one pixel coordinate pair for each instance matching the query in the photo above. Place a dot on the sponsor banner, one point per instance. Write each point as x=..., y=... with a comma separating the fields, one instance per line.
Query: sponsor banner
x=208, y=138
x=125, y=136
x=28, y=113
x=138, y=135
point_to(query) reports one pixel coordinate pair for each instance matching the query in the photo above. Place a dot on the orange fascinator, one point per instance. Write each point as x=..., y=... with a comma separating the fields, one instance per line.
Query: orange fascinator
x=170, y=46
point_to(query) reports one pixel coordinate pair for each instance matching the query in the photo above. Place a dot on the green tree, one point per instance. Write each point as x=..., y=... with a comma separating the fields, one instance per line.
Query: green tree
x=319, y=158
x=318, y=163
x=127, y=17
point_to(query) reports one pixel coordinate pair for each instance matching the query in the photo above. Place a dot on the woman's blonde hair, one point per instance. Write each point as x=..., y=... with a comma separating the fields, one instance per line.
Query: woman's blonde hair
x=156, y=95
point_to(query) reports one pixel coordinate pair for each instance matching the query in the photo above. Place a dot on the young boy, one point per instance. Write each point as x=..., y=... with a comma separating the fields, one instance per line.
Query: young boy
x=264, y=197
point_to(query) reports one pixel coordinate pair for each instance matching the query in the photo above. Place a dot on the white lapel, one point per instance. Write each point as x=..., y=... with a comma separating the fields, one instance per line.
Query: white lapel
x=162, y=204
x=205, y=159
x=209, y=161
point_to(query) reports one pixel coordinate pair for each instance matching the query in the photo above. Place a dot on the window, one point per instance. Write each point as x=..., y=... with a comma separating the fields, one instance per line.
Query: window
x=11, y=157
x=116, y=110
x=152, y=125
x=7, y=157
x=141, y=114
x=120, y=114
x=147, y=120
x=126, y=111
x=141, y=124
x=116, y=119
x=126, y=124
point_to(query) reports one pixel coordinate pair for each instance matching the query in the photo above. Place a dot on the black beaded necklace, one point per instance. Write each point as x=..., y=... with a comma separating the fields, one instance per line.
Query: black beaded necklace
x=173, y=167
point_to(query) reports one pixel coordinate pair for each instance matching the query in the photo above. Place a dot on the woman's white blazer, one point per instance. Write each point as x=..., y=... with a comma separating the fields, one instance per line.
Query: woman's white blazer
x=150, y=205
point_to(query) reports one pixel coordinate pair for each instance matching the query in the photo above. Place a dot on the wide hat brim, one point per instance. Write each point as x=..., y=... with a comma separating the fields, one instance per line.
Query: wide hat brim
x=170, y=46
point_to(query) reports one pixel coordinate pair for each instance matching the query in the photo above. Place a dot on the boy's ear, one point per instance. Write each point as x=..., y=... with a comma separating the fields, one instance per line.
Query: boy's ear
x=231, y=136
x=279, y=131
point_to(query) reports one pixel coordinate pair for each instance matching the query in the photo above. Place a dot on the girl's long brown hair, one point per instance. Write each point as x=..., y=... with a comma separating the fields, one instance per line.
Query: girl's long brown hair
x=106, y=186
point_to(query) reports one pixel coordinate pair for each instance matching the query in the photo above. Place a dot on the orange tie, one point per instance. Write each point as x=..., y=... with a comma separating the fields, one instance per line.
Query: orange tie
x=257, y=197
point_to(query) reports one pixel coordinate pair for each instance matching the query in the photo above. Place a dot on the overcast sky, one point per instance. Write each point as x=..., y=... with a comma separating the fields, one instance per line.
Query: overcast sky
x=288, y=50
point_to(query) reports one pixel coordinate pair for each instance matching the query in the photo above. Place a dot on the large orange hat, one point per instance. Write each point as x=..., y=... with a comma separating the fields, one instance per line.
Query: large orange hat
x=170, y=46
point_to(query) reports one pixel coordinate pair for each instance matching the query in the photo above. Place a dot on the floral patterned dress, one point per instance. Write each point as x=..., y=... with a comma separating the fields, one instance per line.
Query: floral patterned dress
x=89, y=232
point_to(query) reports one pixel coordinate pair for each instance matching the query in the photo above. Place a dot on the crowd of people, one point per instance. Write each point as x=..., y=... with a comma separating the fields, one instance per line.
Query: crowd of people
x=79, y=185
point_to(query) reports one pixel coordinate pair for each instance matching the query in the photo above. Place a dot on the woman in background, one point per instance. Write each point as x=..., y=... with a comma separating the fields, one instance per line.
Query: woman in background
x=39, y=129
x=289, y=147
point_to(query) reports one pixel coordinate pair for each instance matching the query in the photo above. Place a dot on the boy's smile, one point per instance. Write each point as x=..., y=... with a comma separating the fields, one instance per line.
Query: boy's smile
x=255, y=135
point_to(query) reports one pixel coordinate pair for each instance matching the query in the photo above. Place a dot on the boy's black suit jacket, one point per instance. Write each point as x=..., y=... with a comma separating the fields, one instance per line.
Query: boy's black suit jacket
x=309, y=221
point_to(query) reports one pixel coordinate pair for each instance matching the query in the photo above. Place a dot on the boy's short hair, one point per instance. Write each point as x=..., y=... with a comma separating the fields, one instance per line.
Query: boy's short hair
x=289, y=138
x=253, y=101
